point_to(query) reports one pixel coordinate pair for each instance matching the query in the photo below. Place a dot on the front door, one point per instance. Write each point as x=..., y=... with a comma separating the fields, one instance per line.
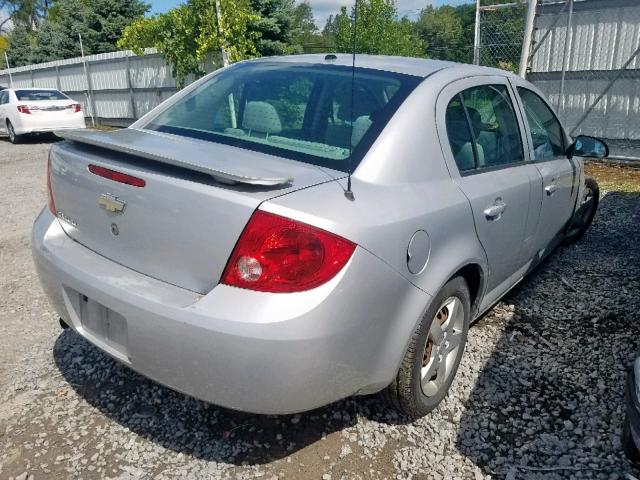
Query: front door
x=486, y=143
x=559, y=174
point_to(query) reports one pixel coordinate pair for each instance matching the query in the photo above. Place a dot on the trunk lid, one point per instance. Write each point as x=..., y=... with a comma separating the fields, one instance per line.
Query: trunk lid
x=182, y=225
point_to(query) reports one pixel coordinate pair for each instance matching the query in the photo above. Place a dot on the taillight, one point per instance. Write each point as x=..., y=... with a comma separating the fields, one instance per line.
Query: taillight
x=277, y=254
x=76, y=107
x=26, y=109
x=117, y=176
x=52, y=205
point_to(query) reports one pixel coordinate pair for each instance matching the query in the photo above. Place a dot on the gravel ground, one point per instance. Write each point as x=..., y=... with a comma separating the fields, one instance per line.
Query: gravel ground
x=539, y=393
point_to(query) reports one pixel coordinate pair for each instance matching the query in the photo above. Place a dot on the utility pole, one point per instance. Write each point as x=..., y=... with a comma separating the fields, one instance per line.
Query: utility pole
x=476, y=36
x=225, y=56
x=528, y=36
x=6, y=60
x=86, y=74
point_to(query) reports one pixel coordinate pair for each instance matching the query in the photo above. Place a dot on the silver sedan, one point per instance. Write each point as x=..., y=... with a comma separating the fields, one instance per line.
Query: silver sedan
x=287, y=232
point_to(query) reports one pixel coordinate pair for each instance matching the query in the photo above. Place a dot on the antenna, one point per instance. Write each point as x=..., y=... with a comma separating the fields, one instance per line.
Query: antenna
x=348, y=192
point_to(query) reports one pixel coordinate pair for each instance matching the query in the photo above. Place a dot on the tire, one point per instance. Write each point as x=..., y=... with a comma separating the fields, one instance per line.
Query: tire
x=408, y=392
x=13, y=138
x=586, y=211
x=628, y=444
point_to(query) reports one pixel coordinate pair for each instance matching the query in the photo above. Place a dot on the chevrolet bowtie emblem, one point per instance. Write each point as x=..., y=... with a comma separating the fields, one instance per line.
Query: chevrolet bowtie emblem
x=111, y=203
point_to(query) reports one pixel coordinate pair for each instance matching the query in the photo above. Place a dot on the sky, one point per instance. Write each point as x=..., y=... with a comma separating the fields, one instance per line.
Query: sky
x=323, y=8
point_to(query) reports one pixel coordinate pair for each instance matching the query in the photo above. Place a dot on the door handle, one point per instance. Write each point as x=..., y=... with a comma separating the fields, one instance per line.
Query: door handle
x=551, y=189
x=495, y=211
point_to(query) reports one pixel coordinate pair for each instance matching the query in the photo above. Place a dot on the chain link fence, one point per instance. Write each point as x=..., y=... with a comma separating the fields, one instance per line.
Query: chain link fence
x=584, y=55
x=499, y=33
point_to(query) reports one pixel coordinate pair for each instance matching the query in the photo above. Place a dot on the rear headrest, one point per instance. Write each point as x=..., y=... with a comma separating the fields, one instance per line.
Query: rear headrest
x=360, y=127
x=261, y=117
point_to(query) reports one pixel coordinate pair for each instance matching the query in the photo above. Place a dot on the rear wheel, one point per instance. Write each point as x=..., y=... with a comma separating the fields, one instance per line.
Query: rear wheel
x=434, y=353
x=13, y=138
x=586, y=211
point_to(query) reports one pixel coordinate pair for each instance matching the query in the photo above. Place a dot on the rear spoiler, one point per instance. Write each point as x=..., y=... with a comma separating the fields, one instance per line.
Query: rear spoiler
x=185, y=153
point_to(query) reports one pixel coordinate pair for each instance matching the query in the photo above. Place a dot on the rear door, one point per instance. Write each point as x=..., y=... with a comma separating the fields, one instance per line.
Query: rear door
x=559, y=174
x=485, y=143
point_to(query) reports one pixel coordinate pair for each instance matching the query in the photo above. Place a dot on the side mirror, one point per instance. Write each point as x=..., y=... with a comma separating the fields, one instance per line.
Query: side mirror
x=585, y=146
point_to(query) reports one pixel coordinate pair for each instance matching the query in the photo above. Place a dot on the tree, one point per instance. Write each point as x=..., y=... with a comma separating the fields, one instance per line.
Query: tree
x=190, y=33
x=21, y=42
x=305, y=31
x=109, y=19
x=378, y=30
x=273, y=26
x=57, y=38
x=442, y=31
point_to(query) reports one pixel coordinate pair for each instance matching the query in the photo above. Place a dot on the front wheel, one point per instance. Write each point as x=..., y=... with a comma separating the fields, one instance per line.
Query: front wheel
x=434, y=352
x=586, y=211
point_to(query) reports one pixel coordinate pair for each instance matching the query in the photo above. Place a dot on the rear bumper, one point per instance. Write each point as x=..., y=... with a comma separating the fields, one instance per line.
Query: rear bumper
x=251, y=351
x=633, y=401
x=23, y=125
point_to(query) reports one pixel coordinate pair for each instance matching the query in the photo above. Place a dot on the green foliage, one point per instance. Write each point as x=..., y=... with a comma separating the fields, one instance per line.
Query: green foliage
x=100, y=22
x=57, y=37
x=442, y=31
x=378, y=30
x=21, y=42
x=188, y=34
x=273, y=26
x=305, y=34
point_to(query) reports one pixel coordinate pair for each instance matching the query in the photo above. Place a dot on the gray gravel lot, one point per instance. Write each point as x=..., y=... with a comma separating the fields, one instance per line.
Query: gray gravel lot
x=539, y=393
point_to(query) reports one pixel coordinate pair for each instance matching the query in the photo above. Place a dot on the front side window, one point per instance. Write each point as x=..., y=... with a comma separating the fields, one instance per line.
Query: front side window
x=39, y=95
x=546, y=131
x=312, y=113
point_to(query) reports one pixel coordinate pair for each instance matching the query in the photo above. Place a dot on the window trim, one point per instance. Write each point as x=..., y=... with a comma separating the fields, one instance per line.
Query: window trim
x=513, y=101
x=565, y=142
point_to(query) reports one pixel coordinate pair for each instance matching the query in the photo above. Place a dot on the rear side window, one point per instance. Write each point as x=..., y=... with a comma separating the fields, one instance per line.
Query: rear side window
x=318, y=114
x=39, y=95
x=483, y=129
x=4, y=97
x=460, y=137
x=546, y=131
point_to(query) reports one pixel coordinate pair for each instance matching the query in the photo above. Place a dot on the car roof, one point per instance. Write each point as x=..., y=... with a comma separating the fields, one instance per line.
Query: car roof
x=421, y=67
x=35, y=89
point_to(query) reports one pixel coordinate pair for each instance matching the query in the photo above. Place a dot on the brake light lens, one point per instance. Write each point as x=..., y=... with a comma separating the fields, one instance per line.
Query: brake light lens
x=52, y=204
x=76, y=107
x=277, y=254
x=117, y=176
x=27, y=109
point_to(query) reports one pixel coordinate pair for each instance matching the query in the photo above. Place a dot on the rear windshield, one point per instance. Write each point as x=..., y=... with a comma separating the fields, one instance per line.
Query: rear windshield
x=39, y=95
x=304, y=112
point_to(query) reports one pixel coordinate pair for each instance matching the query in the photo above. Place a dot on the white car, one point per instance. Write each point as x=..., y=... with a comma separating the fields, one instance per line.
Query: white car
x=37, y=110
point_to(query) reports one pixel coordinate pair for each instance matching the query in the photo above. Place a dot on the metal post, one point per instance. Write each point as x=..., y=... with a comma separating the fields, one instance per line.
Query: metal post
x=58, y=83
x=476, y=36
x=132, y=99
x=223, y=52
x=86, y=74
x=565, y=58
x=525, y=55
x=6, y=60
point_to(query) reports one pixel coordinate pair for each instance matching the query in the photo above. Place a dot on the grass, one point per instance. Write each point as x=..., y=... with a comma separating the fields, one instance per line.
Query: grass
x=617, y=178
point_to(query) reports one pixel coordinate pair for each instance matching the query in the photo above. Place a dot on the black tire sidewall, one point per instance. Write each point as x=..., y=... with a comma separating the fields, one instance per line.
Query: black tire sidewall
x=595, y=189
x=456, y=287
x=13, y=139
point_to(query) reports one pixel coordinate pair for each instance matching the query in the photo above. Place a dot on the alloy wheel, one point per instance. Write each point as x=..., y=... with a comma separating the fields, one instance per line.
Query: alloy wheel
x=443, y=342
